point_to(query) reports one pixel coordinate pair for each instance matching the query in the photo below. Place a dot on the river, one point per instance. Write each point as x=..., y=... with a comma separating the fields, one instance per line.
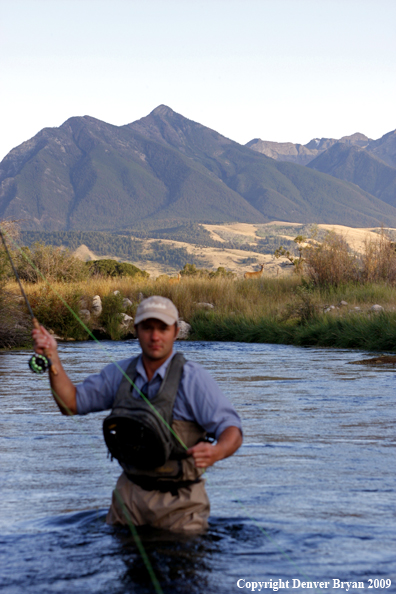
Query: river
x=309, y=497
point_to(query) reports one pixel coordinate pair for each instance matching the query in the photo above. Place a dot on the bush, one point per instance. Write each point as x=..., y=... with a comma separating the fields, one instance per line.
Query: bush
x=53, y=314
x=331, y=263
x=222, y=272
x=108, y=267
x=190, y=270
x=110, y=317
x=52, y=263
x=15, y=325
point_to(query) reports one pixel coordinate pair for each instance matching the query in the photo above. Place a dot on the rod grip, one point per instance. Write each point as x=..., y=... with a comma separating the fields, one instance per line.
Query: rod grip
x=52, y=367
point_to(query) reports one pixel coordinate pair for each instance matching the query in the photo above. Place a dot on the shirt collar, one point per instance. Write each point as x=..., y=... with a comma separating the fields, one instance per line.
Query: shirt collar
x=160, y=371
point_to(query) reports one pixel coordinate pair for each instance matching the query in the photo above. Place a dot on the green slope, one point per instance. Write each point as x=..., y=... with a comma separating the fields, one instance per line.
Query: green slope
x=358, y=166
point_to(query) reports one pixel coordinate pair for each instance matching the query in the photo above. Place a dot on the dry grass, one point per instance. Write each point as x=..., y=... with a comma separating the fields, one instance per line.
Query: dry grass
x=257, y=298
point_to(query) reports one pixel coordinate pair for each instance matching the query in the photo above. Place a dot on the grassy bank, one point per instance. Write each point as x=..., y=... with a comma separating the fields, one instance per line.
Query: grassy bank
x=285, y=310
x=377, y=333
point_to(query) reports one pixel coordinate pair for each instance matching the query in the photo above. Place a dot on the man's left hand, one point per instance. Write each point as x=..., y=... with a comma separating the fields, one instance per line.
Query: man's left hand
x=204, y=454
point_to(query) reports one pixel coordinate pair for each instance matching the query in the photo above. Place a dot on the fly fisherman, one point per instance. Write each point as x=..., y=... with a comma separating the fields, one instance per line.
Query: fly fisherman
x=163, y=454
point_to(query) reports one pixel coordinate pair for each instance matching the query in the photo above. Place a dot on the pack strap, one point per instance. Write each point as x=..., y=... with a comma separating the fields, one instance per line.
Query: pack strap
x=148, y=483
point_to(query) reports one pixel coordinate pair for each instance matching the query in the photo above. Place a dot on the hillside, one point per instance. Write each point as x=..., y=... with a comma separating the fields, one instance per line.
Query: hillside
x=92, y=176
x=360, y=167
x=385, y=148
x=370, y=164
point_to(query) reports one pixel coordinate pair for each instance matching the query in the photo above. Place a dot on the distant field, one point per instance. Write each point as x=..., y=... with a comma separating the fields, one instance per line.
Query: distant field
x=238, y=261
x=355, y=237
x=239, y=247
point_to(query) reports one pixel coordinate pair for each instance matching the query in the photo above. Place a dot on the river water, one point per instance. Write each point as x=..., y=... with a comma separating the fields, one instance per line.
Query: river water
x=309, y=497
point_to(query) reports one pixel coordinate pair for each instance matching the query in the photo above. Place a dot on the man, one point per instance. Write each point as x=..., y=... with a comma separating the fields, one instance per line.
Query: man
x=172, y=496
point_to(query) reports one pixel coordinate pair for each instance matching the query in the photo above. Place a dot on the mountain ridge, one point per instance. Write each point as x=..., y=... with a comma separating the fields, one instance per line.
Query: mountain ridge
x=356, y=165
x=90, y=175
x=383, y=148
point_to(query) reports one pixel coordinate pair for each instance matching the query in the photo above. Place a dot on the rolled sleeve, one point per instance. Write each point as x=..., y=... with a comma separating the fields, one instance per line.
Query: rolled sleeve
x=97, y=392
x=202, y=401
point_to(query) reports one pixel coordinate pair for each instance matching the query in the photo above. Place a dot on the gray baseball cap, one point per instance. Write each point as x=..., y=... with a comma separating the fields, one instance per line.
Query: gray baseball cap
x=159, y=308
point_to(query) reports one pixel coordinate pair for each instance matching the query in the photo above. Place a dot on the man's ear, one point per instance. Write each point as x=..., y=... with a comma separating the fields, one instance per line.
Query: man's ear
x=177, y=330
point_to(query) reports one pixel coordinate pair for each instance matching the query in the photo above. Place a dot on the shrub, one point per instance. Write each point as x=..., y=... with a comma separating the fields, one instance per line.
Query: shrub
x=110, y=317
x=15, y=325
x=331, y=262
x=55, y=264
x=190, y=270
x=222, y=272
x=108, y=267
x=55, y=315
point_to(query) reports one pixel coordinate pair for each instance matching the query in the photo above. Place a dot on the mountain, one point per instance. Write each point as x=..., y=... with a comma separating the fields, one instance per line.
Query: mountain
x=360, y=167
x=302, y=154
x=284, y=151
x=89, y=175
x=385, y=148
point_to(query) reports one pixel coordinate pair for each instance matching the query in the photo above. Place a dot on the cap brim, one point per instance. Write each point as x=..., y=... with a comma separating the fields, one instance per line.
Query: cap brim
x=155, y=315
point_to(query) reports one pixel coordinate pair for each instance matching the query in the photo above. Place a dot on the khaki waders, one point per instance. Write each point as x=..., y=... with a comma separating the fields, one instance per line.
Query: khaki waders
x=187, y=512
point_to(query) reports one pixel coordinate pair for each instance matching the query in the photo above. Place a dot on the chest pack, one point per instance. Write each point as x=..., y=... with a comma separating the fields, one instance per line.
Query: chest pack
x=134, y=433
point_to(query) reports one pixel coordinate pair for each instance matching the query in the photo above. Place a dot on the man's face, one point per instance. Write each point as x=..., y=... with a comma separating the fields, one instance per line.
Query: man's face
x=156, y=338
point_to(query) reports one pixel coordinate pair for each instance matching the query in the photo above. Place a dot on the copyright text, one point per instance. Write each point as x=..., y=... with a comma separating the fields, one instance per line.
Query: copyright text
x=335, y=584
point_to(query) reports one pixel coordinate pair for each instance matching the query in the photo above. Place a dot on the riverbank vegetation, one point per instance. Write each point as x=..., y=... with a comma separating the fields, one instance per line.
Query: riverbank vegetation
x=328, y=302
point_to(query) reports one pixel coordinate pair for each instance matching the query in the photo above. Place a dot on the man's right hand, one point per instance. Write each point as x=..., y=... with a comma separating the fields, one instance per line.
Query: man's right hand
x=63, y=389
x=43, y=341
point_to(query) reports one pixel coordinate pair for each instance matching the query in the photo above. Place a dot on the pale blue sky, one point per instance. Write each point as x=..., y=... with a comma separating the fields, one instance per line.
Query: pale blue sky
x=281, y=70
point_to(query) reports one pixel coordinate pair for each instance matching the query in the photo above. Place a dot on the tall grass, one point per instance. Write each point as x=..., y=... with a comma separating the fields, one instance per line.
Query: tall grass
x=287, y=310
x=255, y=297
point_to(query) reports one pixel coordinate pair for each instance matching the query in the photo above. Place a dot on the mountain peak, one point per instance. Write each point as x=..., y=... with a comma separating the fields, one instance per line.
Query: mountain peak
x=162, y=110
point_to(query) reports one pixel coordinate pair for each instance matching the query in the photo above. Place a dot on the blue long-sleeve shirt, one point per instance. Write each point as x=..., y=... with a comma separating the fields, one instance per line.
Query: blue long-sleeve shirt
x=198, y=398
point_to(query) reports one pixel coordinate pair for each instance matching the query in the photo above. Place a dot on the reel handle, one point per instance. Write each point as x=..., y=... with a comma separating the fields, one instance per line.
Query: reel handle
x=52, y=367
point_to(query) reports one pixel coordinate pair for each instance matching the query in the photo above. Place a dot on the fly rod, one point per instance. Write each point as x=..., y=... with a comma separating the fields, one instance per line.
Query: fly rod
x=37, y=363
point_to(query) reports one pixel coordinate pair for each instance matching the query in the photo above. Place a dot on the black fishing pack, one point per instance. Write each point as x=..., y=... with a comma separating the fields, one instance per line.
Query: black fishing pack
x=134, y=433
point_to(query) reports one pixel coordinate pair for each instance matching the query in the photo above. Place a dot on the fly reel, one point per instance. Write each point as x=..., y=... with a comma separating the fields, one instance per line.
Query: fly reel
x=39, y=363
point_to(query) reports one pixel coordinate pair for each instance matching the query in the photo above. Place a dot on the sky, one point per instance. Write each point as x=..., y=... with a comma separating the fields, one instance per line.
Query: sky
x=280, y=70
